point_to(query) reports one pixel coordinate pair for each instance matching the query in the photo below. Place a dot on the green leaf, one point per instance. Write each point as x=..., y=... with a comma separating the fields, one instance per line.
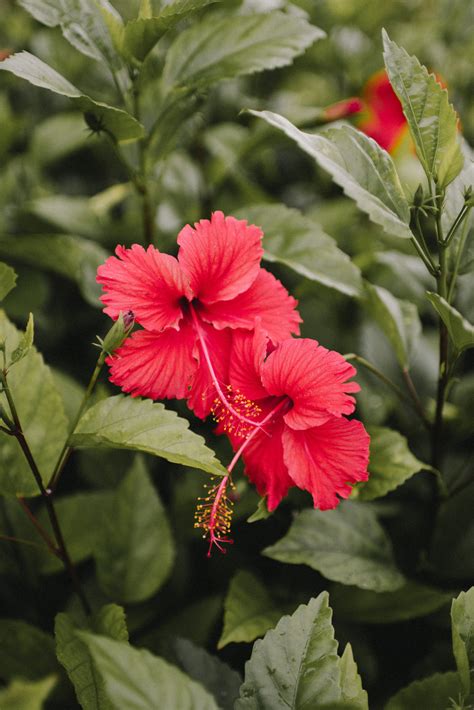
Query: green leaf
x=409, y=602
x=136, y=679
x=118, y=122
x=74, y=655
x=346, y=545
x=248, y=610
x=141, y=35
x=215, y=675
x=83, y=23
x=135, y=551
x=431, y=118
x=399, y=321
x=81, y=519
x=462, y=625
x=25, y=651
x=41, y=414
x=351, y=682
x=7, y=280
x=262, y=512
x=57, y=137
x=296, y=666
x=434, y=693
x=124, y=423
x=292, y=239
x=73, y=257
x=460, y=330
x=68, y=213
x=25, y=343
x=199, y=57
x=391, y=464
x=365, y=171
x=24, y=695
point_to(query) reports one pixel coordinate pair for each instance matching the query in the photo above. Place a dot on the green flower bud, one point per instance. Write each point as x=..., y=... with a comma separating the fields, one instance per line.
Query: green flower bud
x=119, y=332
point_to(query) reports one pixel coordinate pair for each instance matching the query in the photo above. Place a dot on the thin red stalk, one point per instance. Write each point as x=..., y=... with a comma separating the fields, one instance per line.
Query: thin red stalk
x=213, y=516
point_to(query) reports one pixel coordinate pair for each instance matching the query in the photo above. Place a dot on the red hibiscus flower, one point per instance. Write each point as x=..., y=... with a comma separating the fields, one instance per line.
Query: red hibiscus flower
x=378, y=113
x=188, y=307
x=302, y=437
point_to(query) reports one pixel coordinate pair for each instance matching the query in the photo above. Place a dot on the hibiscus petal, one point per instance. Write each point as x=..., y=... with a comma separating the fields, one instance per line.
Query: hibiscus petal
x=148, y=283
x=221, y=257
x=266, y=298
x=155, y=365
x=314, y=378
x=265, y=466
x=203, y=392
x=246, y=360
x=326, y=459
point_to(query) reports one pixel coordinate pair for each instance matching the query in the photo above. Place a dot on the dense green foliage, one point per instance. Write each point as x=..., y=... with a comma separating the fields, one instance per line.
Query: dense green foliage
x=120, y=122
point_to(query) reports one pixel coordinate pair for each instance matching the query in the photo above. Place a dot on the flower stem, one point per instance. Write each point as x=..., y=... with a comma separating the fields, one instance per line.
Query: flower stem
x=67, y=448
x=60, y=549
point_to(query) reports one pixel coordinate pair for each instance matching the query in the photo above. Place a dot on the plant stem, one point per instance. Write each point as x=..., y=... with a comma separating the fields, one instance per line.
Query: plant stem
x=22, y=541
x=67, y=449
x=443, y=375
x=422, y=248
x=38, y=527
x=61, y=550
x=413, y=401
x=457, y=263
x=457, y=222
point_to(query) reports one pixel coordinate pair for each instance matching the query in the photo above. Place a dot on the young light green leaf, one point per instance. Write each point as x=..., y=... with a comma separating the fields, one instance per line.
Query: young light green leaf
x=41, y=414
x=74, y=257
x=25, y=651
x=134, y=551
x=391, y=464
x=351, y=683
x=136, y=679
x=74, y=655
x=431, y=118
x=292, y=239
x=141, y=35
x=460, y=330
x=81, y=517
x=409, y=602
x=399, y=320
x=25, y=695
x=365, y=171
x=124, y=423
x=296, y=666
x=119, y=123
x=248, y=610
x=25, y=343
x=462, y=626
x=215, y=675
x=7, y=280
x=83, y=23
x=346, y=545
x=200, y=56
x=434, y=693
